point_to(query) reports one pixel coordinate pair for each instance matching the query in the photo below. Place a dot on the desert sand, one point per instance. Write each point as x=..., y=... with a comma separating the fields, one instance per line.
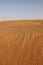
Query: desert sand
x=21, y=42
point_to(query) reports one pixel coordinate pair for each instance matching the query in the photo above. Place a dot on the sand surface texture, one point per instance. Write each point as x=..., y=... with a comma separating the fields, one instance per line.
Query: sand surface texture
x=21, y=43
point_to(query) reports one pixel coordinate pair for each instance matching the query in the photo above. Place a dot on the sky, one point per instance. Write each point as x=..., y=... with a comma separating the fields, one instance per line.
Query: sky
x=21, y=9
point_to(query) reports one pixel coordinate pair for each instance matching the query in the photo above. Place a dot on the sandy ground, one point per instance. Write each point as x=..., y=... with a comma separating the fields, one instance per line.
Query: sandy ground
x=21, y=43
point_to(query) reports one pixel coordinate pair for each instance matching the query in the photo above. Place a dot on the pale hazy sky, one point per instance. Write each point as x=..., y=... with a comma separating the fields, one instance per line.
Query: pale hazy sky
x=21, y=9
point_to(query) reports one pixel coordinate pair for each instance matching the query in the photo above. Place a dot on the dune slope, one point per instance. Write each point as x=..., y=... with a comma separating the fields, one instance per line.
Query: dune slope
x=19, y=45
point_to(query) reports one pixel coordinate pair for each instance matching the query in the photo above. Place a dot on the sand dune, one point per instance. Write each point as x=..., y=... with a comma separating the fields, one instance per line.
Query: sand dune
x=21, y=43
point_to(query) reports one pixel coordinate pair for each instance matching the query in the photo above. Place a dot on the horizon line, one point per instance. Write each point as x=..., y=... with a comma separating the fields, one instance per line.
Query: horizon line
x=19, y=19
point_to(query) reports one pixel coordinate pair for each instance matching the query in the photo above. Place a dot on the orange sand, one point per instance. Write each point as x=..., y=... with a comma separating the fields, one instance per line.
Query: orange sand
x=21, y=42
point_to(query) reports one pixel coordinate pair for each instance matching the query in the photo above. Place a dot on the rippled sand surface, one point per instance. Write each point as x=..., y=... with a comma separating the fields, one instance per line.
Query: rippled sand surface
x=21, y=42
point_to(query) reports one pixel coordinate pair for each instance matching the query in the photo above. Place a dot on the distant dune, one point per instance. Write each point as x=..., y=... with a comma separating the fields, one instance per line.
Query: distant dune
x=21, y=42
